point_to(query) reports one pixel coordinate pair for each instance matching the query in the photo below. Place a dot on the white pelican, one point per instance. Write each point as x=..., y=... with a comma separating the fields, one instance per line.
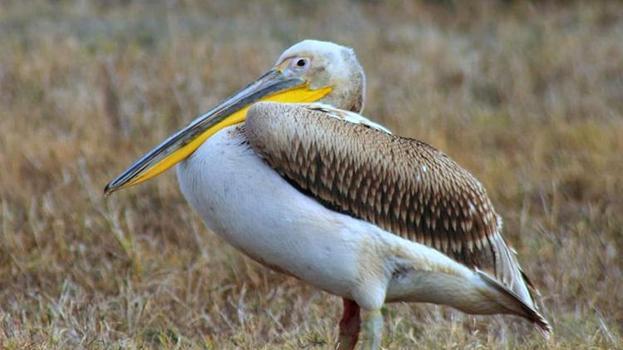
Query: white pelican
x=286, y=171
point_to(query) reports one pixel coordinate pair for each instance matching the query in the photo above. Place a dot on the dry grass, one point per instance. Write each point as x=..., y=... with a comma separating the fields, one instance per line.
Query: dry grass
x=527, y=96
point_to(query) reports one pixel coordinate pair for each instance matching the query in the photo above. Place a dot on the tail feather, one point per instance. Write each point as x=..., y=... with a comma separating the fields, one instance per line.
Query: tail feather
x=508, y=271
x=516, y=304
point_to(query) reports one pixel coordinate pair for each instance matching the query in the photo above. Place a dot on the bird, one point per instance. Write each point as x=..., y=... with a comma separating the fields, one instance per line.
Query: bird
x=288, y=171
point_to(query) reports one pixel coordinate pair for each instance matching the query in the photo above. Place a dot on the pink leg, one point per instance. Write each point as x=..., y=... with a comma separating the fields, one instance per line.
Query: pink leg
x=349, y=325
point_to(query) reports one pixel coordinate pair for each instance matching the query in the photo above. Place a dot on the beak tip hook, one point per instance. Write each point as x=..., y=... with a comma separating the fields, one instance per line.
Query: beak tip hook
x=108, y=190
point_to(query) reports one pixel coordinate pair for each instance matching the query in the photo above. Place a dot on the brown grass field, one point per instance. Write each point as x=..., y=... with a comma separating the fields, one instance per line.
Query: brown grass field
x=526, y=95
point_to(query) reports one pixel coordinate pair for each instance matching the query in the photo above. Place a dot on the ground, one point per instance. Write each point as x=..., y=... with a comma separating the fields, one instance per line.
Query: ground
x=526, y=95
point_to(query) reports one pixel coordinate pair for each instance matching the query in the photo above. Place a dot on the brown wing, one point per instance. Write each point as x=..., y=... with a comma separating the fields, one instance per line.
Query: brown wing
x=402, y=185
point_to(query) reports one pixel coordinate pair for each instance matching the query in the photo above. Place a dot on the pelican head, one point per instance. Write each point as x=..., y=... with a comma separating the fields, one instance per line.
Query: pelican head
x=309, y=71
x=322, y=64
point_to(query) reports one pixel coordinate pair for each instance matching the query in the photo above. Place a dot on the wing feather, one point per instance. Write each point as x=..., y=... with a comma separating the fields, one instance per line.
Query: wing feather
x=402, y=185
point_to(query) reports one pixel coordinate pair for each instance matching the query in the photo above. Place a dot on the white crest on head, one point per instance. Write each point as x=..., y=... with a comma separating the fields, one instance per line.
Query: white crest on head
x=314, y=47
x=335, y=58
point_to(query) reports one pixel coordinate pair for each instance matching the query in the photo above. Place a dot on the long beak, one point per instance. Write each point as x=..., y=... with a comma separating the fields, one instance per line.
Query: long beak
x=272, y=86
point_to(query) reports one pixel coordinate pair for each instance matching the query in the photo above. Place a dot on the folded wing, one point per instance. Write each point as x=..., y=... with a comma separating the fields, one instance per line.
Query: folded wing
x=402, y=185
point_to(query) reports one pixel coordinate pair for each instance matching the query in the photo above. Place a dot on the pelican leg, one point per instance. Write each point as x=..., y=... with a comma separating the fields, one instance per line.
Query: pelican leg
x=372, y=329
x=350, y=324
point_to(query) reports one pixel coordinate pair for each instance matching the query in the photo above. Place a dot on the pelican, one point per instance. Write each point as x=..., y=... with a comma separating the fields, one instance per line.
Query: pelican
x=287, y=171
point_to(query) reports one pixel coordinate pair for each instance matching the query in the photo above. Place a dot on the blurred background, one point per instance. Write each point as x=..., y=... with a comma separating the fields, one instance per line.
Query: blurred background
x=526, y=95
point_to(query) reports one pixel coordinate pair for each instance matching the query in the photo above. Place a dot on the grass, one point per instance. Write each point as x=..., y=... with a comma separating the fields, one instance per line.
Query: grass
x=527, y=95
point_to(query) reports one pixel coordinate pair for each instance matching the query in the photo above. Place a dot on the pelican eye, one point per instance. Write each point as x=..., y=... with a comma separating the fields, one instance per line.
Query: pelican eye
x=300, y=64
